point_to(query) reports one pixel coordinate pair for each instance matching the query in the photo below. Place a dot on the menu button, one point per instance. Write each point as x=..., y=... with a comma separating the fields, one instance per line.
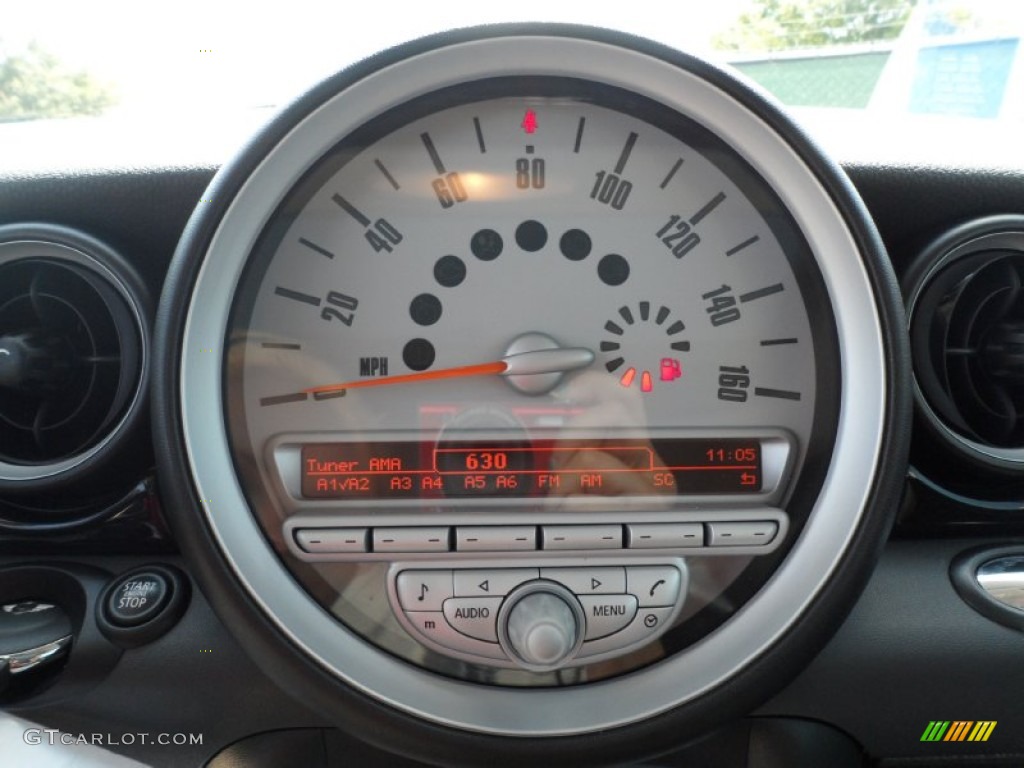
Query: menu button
x=607, y=614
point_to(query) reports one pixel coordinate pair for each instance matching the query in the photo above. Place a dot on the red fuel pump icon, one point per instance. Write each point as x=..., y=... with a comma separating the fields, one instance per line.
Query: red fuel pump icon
x=671, y=369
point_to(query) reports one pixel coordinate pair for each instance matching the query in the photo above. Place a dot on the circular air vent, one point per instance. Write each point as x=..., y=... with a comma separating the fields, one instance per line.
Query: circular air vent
x=965, y=298
x=73, y=355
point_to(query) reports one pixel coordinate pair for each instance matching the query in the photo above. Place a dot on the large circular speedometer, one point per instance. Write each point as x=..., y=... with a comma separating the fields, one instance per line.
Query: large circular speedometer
x=519, y=362
x=497, y=223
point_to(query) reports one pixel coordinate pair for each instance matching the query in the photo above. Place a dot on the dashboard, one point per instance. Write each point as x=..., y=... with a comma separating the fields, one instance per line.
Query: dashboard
x=527, y=393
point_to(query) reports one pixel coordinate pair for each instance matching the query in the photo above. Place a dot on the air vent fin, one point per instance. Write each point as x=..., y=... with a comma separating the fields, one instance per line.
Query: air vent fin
x=73, y=351
x=966, y=306
x=972, y=366
x=69, y=353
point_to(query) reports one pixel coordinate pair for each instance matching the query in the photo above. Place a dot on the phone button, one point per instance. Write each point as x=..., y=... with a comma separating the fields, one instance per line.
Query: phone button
x=653, y=585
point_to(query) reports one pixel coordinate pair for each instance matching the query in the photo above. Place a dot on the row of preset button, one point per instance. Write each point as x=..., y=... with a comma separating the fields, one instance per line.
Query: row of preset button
x=517, y=538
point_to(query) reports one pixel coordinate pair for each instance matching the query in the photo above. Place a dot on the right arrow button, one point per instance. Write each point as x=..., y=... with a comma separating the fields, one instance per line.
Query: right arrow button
x=589, y=581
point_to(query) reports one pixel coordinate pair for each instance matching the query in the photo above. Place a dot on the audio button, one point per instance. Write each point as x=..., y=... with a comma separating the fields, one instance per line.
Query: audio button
x=474, y=616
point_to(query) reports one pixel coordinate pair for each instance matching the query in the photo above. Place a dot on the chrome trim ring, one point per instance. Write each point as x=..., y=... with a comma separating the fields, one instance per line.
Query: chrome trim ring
x=677, y=679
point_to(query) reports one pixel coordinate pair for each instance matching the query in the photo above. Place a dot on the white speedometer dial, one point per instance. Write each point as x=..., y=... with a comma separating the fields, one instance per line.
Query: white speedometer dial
x=640, y=269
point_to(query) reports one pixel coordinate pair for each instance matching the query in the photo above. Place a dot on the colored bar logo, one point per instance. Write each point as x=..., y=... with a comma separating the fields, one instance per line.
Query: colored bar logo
x=958, y=730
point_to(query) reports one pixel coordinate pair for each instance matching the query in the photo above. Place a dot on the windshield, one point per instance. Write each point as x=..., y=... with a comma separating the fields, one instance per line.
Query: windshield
x=194, y=62
x=195, y=55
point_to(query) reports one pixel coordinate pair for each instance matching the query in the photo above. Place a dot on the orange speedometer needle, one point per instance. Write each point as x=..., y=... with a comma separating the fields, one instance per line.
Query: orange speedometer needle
x=556, y=360
x=482, y=369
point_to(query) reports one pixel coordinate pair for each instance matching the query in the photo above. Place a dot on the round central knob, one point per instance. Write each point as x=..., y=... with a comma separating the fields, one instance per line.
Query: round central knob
x=542, y=630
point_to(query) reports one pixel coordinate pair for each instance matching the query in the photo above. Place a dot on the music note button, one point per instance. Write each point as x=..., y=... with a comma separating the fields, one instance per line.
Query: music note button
x=423, y=590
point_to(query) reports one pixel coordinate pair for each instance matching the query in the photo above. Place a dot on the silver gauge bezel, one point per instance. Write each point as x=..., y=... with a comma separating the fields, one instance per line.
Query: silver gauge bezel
x=680, y=678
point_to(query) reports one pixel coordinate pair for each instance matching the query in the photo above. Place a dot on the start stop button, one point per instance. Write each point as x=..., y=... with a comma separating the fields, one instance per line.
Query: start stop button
x=136, y=599
x=140, y=605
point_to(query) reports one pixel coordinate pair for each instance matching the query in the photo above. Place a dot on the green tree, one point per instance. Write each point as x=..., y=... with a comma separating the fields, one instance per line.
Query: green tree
x=34, y=84
x=771, y=25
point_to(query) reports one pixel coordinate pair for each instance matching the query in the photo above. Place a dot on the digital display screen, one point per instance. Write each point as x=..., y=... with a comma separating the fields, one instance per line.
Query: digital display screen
x=499, y=469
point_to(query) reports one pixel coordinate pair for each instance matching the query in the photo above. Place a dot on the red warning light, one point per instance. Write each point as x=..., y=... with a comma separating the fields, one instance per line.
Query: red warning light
x=529, y=121
x=645, y=382
x=671, y=369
